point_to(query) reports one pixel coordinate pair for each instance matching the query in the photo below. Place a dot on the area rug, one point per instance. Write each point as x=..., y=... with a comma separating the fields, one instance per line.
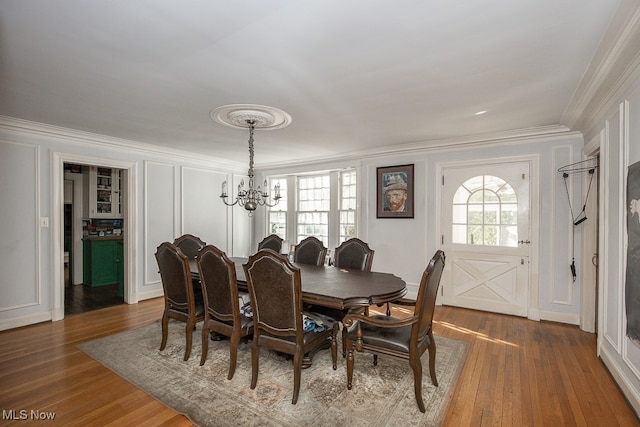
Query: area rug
x=382, y=395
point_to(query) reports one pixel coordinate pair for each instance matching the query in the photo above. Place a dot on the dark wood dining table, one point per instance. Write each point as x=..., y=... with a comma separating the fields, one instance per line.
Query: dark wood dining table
x=335, y=287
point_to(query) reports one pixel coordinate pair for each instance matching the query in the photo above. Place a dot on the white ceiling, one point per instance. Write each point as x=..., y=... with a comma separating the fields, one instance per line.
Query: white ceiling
x=355, y=75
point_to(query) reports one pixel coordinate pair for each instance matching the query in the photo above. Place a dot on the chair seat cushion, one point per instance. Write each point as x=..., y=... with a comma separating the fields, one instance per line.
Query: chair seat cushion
x=396, y=339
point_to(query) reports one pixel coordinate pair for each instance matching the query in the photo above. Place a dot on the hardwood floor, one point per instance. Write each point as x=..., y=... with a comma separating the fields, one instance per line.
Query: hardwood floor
x=518, y=372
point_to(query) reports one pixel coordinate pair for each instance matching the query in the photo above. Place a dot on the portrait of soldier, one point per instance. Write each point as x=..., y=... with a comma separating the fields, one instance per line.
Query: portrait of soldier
x=395, y=192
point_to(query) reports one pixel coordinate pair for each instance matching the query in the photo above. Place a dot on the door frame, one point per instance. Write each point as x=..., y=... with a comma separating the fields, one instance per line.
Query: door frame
x=533, y=309
x=58, y=160
x=590, y=276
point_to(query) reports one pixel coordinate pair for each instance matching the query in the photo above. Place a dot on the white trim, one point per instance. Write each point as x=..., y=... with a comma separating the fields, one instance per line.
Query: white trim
x=30, y=319
x=556, y=316
x=537, y=135
x=569, y=284
x=533, y=299
x=623, y=381
x=57, y=202
x=74, y=136
x=590, y=279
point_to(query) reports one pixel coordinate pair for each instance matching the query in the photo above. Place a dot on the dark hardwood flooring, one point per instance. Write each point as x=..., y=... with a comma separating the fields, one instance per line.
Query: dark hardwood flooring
x=80, y=298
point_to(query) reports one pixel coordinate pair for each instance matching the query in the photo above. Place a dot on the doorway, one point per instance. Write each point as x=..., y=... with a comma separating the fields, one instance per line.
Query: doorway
x=486, y=225
x=82, y=292
x=128, y=198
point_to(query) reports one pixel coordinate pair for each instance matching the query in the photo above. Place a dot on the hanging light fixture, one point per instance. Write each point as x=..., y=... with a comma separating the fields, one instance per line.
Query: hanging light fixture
x=252, y=117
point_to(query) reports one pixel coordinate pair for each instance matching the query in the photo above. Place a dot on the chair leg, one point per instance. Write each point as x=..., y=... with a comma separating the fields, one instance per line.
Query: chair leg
x=255, y=354
x=205, y=343
x=189, y=334
x=432, y=360
x=344, y=341
x=350, y=368
x=165, y=331
x=233, y=354
x=297, y=373
x=416, y=366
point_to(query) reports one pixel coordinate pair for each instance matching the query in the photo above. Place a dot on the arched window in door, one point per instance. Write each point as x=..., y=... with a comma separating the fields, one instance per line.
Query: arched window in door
x=485, y=212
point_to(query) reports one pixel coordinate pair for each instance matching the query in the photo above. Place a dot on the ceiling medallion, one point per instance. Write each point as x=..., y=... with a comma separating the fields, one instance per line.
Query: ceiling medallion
x=249, y=116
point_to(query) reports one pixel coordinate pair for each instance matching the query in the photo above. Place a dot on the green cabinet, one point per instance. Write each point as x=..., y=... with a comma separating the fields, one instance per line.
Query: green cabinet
x=103, y=262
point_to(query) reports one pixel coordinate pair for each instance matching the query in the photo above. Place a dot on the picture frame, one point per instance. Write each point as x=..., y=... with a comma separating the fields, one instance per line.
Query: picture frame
x=395, y=191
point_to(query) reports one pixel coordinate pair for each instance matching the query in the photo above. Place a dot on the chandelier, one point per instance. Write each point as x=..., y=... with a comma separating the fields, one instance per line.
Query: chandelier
x=248, y=116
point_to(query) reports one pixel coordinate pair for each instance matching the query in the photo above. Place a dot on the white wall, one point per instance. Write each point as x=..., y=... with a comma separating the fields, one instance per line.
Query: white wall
x=171, y=193
x=404, y=246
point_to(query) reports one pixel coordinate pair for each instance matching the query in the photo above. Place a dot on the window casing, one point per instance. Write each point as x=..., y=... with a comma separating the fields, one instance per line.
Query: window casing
x=277, y=216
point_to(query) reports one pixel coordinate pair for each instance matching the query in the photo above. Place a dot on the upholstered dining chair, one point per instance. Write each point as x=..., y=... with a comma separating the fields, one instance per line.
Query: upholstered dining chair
x=221, y=302
x=180, y=302
x=189, y=245
x=272, y=241
x=405, y=339
x=354, y=254
x=310, y=251
x=275, y=292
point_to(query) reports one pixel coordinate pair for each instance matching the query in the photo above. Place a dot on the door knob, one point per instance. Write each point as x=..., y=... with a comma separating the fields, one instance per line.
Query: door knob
x=524, y=242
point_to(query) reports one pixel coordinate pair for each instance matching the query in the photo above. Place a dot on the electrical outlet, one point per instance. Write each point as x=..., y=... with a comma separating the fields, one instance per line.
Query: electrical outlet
x=44, y=222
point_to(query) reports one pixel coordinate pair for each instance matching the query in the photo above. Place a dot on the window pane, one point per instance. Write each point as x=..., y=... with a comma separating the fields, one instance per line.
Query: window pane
x=507, y=194
x=459, y=234
x=461, y=196
x=474, y=214
x=474, y=235
x=476, y=197
x=509, y=236
x=509, y=214
x=490, y=235
x=459, y=214
x=491, y=214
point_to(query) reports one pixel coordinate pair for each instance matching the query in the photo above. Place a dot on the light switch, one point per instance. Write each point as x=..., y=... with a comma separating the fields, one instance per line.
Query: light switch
x=44, y=222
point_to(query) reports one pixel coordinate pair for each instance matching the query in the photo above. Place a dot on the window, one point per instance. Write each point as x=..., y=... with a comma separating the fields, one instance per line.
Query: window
x=323, y=205
x=485, y=212
x=278, y=214
x=348, y=203
x=313, y=207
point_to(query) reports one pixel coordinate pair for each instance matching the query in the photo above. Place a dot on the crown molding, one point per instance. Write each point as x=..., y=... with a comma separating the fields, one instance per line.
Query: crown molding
x=81, y=138
x=615, y=64
x=515, y=137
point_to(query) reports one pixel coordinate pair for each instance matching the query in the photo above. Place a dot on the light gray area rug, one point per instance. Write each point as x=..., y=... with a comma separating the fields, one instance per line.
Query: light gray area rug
x=381, y=396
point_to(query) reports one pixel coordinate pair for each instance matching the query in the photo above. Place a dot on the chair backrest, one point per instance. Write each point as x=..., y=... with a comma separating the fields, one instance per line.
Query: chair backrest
x=354, y=254
x=189, y=245
x=219, y=284
x=176, y=276
x=426, y=299
x=310, y=251
x=275, y=291
x=273, y=242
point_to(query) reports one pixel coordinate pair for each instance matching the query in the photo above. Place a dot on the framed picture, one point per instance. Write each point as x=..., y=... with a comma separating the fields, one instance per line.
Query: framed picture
x=395, y=191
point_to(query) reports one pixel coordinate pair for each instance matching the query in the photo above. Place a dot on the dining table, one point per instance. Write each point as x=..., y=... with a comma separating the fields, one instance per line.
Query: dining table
x=334, y=287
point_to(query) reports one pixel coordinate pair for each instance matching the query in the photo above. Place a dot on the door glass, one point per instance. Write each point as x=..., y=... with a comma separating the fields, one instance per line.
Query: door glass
x=485, y=210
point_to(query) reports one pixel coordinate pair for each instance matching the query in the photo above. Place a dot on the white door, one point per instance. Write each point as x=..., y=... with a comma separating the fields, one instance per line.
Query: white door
x=485, y=236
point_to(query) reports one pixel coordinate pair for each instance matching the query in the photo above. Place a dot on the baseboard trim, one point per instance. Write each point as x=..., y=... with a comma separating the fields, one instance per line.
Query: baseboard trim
x=626, y=387
x=25, y=320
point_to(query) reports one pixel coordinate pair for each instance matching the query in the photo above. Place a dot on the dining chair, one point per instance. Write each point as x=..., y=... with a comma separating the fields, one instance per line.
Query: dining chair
x=180, y=302
x=221, y=301
x=354, y=254
x=310, y=251
x=405, y=339
x=189, y=245
x=272, y=241
x=275, y=292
